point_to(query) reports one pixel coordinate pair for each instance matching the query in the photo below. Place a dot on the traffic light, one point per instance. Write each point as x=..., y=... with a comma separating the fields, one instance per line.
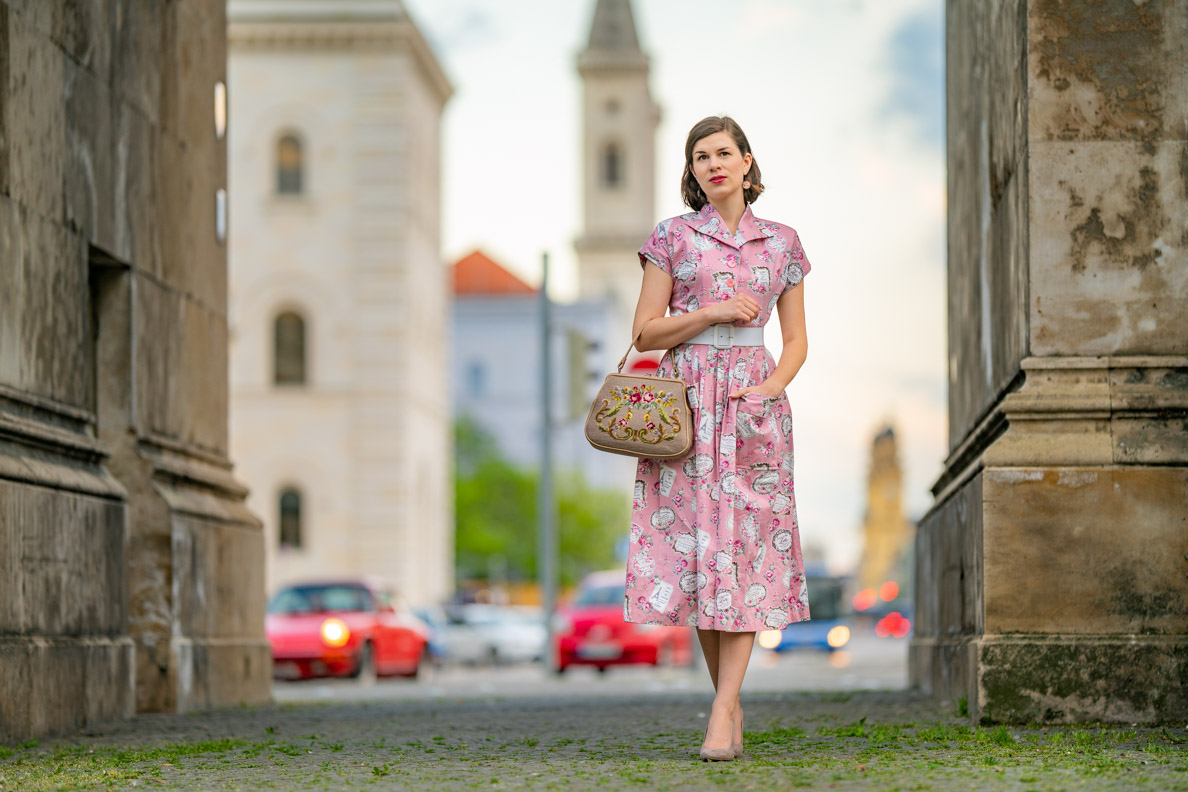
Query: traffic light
x=579, y=373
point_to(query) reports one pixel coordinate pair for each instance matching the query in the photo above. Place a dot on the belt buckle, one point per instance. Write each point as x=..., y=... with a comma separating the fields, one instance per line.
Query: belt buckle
x=723, y=336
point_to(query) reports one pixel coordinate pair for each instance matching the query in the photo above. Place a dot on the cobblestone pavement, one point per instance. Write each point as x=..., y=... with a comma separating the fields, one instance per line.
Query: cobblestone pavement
x=850, y=740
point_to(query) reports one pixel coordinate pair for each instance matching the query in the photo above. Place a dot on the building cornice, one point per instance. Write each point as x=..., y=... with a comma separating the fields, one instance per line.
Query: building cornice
x=311, y=10
x=320, y=35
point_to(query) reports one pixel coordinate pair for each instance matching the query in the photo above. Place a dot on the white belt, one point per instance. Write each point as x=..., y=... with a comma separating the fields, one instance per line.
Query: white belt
x=724, y=336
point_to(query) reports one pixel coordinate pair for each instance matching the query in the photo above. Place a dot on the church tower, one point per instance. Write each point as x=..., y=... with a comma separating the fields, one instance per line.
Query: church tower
x=619, y=122
x=887, y=533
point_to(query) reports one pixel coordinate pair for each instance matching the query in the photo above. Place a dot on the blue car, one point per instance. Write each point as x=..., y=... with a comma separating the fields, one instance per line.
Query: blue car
x=829, y=628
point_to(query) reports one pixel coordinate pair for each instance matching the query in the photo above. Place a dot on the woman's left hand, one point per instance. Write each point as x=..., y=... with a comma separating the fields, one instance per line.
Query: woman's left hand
x=767, y=388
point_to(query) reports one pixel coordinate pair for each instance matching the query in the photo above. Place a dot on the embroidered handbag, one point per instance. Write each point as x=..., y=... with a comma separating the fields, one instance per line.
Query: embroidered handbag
x=640, y=415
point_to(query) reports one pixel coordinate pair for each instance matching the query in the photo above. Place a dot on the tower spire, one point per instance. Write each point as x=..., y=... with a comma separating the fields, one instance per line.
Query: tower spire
x=613, y=43
x=613, y=28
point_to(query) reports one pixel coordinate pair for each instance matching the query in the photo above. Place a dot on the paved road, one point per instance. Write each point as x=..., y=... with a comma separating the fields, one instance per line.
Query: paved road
x=869, y=663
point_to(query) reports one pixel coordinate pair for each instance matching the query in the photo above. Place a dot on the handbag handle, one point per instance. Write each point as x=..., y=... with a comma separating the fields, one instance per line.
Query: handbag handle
x=634, y=341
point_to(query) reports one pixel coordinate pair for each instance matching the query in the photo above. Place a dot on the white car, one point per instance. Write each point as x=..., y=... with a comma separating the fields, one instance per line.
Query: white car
x=488, y=634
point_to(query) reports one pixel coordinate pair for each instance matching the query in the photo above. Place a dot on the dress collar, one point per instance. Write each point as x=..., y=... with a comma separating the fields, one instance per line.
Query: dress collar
x=709, y=222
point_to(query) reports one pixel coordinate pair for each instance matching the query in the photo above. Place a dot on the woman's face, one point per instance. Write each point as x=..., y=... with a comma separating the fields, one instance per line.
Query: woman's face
x=718, y=166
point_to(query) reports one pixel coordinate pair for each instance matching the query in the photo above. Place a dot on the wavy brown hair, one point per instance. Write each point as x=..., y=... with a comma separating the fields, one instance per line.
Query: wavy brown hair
x=691, y=191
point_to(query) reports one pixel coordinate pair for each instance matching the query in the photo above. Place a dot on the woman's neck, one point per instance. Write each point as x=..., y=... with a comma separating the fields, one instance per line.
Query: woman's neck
x=731, y=211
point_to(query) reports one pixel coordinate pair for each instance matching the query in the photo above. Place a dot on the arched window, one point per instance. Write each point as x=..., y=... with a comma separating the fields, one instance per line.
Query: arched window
x=290, y=165
x=289, y=349
x=289, y=534
x=612, y=165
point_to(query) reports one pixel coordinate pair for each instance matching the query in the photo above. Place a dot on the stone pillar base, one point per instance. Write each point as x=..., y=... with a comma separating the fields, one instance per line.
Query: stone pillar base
x=57, y=685
x=1052, y=573
x=217, y=673
x=1058, y=679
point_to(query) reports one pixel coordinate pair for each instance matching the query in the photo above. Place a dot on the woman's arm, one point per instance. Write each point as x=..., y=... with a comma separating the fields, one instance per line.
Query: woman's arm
x=664, y=332
x=791, y=310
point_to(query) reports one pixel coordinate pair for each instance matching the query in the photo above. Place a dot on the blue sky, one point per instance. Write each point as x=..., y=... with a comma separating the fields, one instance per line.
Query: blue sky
x=843, y=103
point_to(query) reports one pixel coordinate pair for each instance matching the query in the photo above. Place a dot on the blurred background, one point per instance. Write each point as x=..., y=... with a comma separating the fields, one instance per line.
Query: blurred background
x=397, y=170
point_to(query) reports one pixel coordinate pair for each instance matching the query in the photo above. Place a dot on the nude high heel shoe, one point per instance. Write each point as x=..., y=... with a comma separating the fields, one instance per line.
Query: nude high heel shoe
x=737, y=747
x=715, y=754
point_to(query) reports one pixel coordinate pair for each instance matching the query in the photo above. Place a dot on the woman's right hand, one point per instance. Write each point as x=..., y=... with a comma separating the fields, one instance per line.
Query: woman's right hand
x=739, y=308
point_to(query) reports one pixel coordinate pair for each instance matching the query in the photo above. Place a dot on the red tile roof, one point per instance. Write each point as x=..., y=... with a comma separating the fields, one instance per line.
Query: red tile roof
x=477, y=274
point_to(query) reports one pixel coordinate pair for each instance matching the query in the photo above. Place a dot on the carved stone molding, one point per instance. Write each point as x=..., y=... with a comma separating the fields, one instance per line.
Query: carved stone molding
x=341, y=36
x=1080, y=411
x=1096, y=411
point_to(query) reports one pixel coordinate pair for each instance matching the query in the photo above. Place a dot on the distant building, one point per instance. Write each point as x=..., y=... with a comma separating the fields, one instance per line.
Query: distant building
x=887, y=534
x=496, y=365
x=619, y=120
x=340, y=406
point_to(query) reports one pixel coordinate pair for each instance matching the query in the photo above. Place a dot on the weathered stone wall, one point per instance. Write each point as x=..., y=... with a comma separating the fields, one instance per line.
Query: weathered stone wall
x=1108, y=123
x=986, y=100
x=130, y=572
x=1061, y=522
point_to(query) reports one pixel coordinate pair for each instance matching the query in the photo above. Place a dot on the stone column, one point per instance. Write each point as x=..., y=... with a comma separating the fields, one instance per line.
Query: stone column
x=131, y=574
x=1052, y=578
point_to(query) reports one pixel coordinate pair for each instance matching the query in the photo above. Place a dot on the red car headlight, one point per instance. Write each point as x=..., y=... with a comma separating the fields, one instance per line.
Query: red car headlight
x=335, y=633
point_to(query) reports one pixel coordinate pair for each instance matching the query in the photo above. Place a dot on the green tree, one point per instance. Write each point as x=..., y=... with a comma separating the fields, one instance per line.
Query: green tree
x=495, y=514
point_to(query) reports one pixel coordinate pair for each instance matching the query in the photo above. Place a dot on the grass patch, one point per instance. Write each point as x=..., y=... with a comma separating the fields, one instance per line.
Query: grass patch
x=77, y=767
x=781, y=736
x=856, y=729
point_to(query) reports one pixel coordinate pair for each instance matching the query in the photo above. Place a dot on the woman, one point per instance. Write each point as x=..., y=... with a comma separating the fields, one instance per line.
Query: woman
x=714, y=539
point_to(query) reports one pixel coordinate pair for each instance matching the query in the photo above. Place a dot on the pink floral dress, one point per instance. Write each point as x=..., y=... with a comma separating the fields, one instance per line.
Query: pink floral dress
x=714, y=539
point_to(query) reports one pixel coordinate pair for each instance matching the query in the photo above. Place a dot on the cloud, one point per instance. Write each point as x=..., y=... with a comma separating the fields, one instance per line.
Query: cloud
x=915, y=62
x=769, y=15
x=451, y=28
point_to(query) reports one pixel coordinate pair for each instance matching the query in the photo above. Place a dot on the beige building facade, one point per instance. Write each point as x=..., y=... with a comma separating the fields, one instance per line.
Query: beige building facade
x=340, y=419
x=1052, y=571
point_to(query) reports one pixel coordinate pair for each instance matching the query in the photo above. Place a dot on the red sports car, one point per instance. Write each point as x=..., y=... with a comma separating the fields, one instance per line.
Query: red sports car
x=591, y=630
x=354, y=628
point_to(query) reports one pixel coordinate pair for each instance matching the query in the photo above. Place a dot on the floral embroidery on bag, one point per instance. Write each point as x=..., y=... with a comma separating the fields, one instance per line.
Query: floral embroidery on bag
x=641, y=403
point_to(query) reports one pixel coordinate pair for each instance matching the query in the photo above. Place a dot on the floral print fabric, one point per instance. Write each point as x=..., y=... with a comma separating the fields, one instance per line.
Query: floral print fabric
x=714, y=540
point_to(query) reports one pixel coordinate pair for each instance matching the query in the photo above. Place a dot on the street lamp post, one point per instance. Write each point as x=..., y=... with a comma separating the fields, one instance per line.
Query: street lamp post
x=546, y=568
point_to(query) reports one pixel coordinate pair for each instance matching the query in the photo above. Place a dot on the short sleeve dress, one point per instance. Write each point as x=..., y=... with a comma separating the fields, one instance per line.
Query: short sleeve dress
x=714, y=540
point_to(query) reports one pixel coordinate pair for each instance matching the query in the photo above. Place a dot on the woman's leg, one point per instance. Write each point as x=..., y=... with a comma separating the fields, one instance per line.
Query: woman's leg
x=709, y=649
x=734, y=652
